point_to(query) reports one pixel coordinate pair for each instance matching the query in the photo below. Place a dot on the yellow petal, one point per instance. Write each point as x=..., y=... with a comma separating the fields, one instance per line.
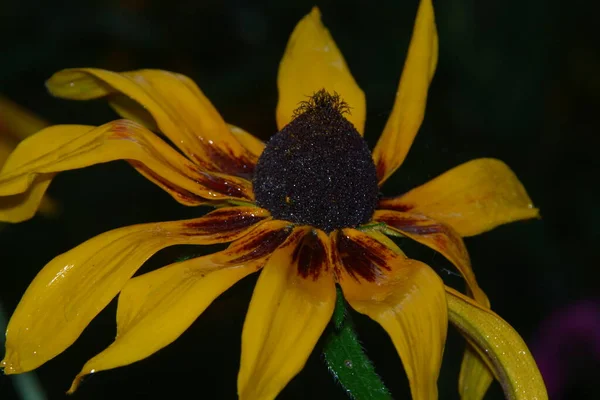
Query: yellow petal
x=156, y=308
x=475, y=376
x=407, y=299
x=260, y=242
x=22, y=206
x=286, y=317
x=363, y=255
x=472, y=198
x=250, y=142
x=502, y=347
x=312, y=62
x=64, y=147
x=437, y=236
x=75, y=286
x=411, y=98
x=17, y=123
x=178, y=107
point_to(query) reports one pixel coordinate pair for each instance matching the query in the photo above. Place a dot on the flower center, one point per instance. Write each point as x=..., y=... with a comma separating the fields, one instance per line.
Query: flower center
x=318, y=170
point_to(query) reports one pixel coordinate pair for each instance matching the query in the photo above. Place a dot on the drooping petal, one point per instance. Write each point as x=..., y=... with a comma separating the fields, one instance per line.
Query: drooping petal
x=475, y=376
x=250, y=142
x=438, y=236
x=75, y=286
x=472, y=198
x=312, y=61
x=22, y=206
x=63, y=147
x=407, y=299
x=156, y=308
x=411, y=98
x=175, y=103
x=445, y=240
x=286, y=317
x=502, y=348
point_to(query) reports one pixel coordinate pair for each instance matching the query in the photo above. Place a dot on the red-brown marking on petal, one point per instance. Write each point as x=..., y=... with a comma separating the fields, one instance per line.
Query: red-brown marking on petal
x=183, y=194
x=394, y=204
x=381, y=169
x=221, y=185
x=230, y=164
x=121, y=129
x=226, y=220
x=414, y=224
x=411, y=226
x=295, y=236
x=437, y=236
x=206, y=180
x=363, y=255
x=310, y=256
x=258, y=244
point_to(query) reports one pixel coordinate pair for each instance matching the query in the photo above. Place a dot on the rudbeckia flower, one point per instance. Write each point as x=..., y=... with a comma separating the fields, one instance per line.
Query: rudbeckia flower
x=304, y=209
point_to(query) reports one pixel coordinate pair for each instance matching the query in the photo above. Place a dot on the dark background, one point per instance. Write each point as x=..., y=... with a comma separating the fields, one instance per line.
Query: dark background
x=516, y=80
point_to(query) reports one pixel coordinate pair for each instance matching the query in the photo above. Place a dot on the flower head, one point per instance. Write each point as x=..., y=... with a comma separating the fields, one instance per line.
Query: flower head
x=308, y=168
x=304, y=209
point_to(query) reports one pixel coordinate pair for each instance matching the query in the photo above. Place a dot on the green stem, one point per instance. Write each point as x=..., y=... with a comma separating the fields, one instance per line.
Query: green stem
x=347, y=360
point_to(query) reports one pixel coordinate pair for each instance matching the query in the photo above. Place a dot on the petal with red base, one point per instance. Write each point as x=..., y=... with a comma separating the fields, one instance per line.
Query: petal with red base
x=175, y=104
x=37, y=159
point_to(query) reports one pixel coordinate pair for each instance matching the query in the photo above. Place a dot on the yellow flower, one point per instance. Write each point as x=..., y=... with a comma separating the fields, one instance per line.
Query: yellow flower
x=304, y=208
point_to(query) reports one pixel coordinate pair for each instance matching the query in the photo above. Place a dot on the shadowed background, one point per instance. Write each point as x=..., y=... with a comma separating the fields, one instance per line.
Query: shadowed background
x=516, y=81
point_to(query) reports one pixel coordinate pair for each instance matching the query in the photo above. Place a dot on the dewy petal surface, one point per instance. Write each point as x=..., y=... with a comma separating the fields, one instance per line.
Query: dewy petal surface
x=408, y=301
x=475, y=376
x=64, y=147
x=502, y=347
x=156, y=308
x=253, y=144
x=411, y=98
x=437, y=236
x=287, y=315
x=177, y=105
x=472, y=198
x=75, y=286
x=311, y=62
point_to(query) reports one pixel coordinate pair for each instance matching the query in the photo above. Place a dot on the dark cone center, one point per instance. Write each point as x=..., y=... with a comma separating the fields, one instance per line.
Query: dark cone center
x=318, y=170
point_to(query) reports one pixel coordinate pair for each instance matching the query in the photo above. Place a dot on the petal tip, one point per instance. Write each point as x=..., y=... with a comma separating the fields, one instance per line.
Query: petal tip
x=57, y=79
x=315, y=13
x=10, y=364
x=77, y=380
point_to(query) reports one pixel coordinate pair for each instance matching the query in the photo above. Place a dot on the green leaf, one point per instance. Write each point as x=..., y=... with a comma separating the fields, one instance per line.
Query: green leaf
x=347, y=360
